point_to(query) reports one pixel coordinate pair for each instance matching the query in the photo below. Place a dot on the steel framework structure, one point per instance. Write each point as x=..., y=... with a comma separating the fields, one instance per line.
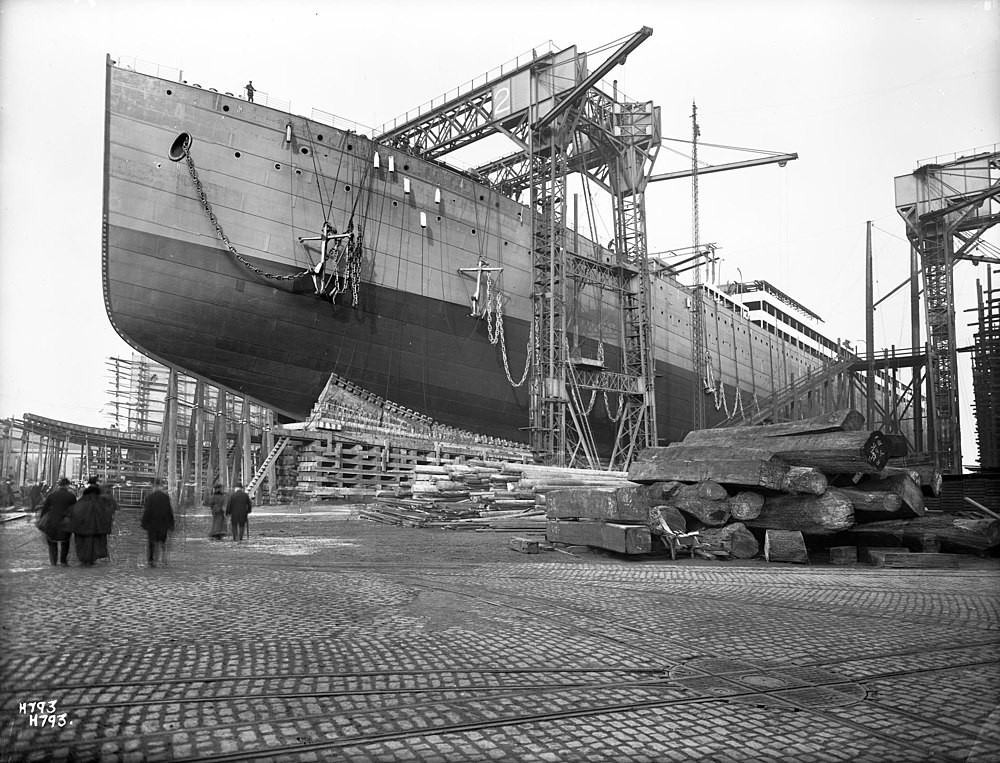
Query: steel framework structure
x=562, y=123
x=947, y=207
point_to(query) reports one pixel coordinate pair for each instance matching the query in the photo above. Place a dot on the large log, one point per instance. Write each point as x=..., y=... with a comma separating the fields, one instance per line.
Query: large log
x=673, y=517
x=977, y=534
x=847, y=420
x=872, y=501
x=811, y=514
x=902, y=485
x=749, y=467
x=622, y=504
x=928, y=476
x=785, y=546
x=804, y=479
x=734, y=538
x=625, y=539
x=745, y=505
x=832, y=452
x=707, y=489
x=705, y=510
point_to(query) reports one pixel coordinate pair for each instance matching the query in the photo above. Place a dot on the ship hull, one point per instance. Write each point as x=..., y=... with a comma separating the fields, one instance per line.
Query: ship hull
x=204, y=270
x=188, y=306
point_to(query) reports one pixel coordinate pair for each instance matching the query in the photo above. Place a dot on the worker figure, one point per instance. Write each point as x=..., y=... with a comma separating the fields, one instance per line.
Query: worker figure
x=250, y=91
x=321, y=280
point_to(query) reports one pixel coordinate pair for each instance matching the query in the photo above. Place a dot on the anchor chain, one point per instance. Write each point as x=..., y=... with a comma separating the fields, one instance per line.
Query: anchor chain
x=354, y=249
x=493, y=312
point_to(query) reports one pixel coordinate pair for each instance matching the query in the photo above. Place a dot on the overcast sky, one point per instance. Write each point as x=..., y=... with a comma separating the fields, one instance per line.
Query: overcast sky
x=861, y=90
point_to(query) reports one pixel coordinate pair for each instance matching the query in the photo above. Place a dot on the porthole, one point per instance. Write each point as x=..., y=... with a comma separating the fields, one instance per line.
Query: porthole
x=319, y=137
x=473, y=231
x=303, y=150
x=350, y=147
x=237, y=154
x=181, y=143
x=277, y=166
x=395, y=203
x=170, y=92
x=482, y=198
x=298, y=172
x=225, y=107
x=439, y=218
x=406, y=167
x=347, y=188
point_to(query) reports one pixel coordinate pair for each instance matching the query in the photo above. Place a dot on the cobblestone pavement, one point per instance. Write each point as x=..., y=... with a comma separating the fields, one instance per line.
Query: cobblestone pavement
x=326, y=638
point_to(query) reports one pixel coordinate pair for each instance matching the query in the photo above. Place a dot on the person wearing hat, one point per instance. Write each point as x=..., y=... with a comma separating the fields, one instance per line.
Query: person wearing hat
x=238, y=509
x=90, y=524
x=218, y=503
x=54, y=521
x=157, y=521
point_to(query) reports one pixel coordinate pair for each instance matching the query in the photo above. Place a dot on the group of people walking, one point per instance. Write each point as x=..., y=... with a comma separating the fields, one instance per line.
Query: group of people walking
x=88, y=521
x=237, y=506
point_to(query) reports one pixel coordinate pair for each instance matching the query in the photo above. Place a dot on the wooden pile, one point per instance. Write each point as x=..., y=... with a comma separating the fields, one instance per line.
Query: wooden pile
x=783, y=482
x=480, y=495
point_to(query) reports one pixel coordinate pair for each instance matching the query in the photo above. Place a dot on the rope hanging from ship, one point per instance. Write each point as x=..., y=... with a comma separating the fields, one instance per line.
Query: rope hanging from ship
x=339, y=280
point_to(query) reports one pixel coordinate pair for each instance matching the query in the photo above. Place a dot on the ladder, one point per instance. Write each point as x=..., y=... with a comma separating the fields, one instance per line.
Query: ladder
x=279, y=446
x=261, y=472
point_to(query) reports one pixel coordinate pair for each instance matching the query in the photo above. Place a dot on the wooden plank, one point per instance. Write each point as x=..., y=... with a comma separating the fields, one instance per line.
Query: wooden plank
x=978, y=534
x=625, y=504
x=914, y=561
x=847, y=420
x=524, y=545
x=749, y=467
x=625, y=539
x=866, y=553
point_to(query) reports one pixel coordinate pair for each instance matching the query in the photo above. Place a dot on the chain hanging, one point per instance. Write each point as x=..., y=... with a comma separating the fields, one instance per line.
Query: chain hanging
x=493, y=312
x=354, y=248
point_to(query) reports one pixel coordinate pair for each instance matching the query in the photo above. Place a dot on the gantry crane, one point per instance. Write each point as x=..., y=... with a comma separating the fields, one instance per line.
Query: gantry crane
x=562, y=123
x=947, y=207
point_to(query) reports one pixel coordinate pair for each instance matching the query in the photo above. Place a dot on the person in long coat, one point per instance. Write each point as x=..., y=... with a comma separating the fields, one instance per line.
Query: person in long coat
x=90, y=524
x=238, y=509
x=157, y=521
x=36, y=493
x=218, y=504
x=54, y=519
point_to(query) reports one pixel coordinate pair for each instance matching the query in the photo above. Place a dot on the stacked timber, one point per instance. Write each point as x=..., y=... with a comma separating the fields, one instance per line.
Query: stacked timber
x=782, y=483
x=481, y=495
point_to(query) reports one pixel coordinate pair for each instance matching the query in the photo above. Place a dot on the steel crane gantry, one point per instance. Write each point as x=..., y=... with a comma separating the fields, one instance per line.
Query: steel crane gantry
x=944, y=204
x=562, y=123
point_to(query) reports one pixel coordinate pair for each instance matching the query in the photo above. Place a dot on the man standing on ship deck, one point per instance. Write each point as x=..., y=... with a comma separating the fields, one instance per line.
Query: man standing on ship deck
x=250, y=91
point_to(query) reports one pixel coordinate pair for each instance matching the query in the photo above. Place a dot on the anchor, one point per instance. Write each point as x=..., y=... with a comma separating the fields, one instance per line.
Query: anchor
x=321, y=280
x=482, y=267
